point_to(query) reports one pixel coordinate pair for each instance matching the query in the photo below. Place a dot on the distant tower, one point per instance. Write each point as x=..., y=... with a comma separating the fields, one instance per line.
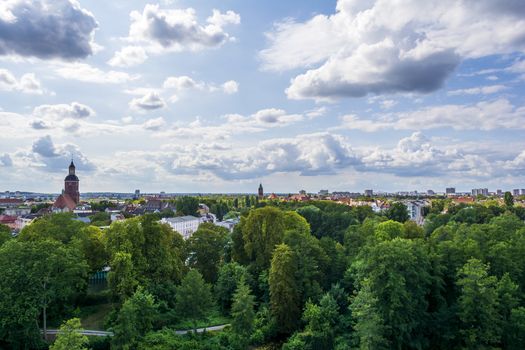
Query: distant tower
x=71, y=184
x=261, y=192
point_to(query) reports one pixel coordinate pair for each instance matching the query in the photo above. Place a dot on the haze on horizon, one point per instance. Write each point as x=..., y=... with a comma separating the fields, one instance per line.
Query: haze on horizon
x=201, y=96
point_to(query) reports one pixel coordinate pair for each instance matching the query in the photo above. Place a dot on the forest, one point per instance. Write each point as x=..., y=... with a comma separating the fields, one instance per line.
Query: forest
x=291, y=275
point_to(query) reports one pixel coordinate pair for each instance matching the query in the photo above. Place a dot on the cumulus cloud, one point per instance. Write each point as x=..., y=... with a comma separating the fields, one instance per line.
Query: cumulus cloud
x=28, y=83
x=179, y=84
x=179, y=29
x=89, y=74
x=128, y=56
x=55, y=158
x=230, y=87
x=383, y=47
x=150, y=101
x=328, y=154
x=485, y=115
x=46, y=29
x=313, y=154
x=74, y=110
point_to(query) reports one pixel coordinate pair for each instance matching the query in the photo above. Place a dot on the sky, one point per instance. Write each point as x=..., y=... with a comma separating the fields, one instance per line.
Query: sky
x=219, y=96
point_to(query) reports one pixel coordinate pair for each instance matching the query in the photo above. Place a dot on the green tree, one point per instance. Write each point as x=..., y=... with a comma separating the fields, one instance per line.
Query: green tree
x=243, y=313
x=389, y=230
x=284, y=296
x=187, y=205
x=134, y=320
x=5, y=234
x=70, y=337
x=369, y=327
x=396, y=274
x=508, y=199
x=516, y=331
x=122, y=280
x=262, y=231
x=35, y=276
x=478, y=305
x=193, y=299
x=230, y=275
x=397, y=212
x=206, y=248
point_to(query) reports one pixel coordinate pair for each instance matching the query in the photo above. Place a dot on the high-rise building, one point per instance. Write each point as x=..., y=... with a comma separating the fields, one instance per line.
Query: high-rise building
x=516, y=192
x=137, y=194
x=369, y=193
x=450, y=190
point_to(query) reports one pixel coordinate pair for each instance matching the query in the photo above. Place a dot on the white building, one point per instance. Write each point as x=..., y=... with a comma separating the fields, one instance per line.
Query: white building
x=185, y=225
x=415, y=210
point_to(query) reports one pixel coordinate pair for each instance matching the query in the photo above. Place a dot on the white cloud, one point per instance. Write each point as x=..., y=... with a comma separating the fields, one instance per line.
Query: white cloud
x=46, y=29
x=148, y=102
x=159, y=30
x=230, y=87
x=482, y=90
x=89, y=74
x=28, y=83
x=383, y=47
x=180, y=84
x=485, y=115
x=74, y=110
x=155, y=124
x=55, y=158
x=128, y=56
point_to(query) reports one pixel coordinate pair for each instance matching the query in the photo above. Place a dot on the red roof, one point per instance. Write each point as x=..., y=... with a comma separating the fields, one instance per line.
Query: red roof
x=6, y=219
x=11, y=201
x=63, y=201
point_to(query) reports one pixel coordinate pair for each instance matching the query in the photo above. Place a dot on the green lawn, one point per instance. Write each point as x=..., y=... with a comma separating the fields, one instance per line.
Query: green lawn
x=214, y=319
x=93, y=317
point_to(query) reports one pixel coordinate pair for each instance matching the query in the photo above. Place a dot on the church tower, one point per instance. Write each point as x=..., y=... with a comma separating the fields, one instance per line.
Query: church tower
x=71, y=184
x=261, y=192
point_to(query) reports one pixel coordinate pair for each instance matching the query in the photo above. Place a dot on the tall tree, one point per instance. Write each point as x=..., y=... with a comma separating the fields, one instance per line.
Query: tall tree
x=397, y=212
x=262, y=231
x=70, y=337
x=187, y=205
x=396, y=274
x=508, y=198
x=243, y=313
x=284, y=296
x=36, y=275
x=206, y=248
x=478, y=305
x=230, y=275
x=134, y=320
x=5, y=233
x=193, y=299
x=122, y=278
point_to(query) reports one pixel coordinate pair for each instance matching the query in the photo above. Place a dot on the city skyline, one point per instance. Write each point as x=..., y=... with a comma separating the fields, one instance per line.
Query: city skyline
x=188, y=96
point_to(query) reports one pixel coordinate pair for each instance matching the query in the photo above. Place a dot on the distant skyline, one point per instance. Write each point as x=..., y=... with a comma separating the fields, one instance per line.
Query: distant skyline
x=208, y=96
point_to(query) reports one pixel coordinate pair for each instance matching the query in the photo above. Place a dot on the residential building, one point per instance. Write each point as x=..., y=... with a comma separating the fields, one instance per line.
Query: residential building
x=323, y=192
x=18, y=211
x=185, y=225
x=516, y=192
x=415, y=210
x=369, y=193
x=480, y=192
x=450, y=190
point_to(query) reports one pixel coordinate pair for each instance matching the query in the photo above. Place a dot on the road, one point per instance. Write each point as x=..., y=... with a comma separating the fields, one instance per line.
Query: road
x=110, y=334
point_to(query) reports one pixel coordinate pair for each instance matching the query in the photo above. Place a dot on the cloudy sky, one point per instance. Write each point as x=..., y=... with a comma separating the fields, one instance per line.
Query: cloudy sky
x=217, y=96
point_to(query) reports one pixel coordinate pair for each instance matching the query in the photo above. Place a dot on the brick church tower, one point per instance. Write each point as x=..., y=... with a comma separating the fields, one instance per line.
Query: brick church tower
x=71, y=184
